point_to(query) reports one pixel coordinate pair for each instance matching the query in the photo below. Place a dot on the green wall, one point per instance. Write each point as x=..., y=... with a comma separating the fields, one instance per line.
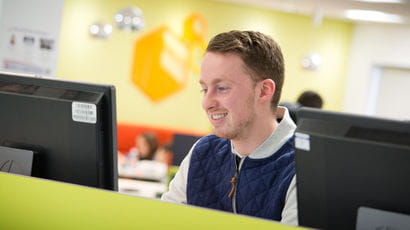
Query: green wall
x=109, y=61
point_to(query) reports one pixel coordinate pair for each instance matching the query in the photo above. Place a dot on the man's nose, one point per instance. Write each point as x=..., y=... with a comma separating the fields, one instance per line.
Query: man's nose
x=209, y=101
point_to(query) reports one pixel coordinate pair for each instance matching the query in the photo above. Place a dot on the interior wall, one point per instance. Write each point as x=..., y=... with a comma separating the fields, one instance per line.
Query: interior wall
x=391, y=99
x=29, y=36
x=1, y=10
x=373, y=46
x=109, y=61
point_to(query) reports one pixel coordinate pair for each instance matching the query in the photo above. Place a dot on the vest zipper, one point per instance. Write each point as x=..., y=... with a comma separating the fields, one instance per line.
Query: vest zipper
x=234, y=180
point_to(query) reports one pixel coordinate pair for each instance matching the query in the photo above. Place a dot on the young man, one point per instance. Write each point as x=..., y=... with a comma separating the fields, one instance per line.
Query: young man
x=247, y=165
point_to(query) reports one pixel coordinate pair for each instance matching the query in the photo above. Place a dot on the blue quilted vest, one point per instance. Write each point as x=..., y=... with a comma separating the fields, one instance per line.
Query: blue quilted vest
x=261, y=186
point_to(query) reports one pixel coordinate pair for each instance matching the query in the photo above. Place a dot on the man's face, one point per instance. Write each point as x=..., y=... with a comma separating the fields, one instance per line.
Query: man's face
x=229, y=95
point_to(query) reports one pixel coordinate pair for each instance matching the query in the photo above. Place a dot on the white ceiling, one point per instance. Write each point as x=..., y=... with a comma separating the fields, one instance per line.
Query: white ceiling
x=329, y=8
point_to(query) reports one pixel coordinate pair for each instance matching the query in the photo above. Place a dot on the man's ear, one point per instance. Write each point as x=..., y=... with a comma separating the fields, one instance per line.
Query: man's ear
x=267, y=89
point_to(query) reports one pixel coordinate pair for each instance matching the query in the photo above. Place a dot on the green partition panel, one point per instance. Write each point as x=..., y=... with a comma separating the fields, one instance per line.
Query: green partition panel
x=33, y=203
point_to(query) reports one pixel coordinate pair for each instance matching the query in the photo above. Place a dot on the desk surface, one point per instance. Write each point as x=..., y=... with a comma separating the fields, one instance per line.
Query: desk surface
x=32, y=203
x=146, y=170
x=141, y=188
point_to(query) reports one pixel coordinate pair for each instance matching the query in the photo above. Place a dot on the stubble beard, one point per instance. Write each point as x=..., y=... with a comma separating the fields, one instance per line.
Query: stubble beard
x=239, y=130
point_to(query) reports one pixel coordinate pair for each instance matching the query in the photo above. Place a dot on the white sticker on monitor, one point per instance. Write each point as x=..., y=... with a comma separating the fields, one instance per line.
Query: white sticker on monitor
x=84, y=112
x=302, y=141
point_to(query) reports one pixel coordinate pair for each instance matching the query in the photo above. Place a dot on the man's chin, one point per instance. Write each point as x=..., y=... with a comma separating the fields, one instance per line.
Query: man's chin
x=225, y=135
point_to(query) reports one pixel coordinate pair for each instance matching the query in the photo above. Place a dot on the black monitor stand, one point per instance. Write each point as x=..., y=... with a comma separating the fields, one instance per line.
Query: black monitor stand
x=17, y=161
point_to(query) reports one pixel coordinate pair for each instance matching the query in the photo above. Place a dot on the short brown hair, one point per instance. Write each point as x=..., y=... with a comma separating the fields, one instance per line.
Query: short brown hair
x=261, y=54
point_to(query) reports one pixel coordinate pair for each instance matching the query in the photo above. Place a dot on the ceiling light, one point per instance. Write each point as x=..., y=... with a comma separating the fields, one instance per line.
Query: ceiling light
x=374, y=16
x=383, y=1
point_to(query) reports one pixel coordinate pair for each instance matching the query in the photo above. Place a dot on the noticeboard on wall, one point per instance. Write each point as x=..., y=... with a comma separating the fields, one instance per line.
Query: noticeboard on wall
x=29, y=36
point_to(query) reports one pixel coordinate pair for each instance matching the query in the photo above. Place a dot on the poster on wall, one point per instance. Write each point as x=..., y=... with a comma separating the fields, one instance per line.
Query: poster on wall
x=29, y=35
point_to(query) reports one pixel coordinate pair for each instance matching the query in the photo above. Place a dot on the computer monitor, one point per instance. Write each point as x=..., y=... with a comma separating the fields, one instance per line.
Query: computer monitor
x=181, y=144
x=68, y=128
x=346, y=161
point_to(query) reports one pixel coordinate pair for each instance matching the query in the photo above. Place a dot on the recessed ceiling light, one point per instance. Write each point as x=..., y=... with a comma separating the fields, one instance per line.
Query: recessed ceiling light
x=373, y=16
x=383, y=1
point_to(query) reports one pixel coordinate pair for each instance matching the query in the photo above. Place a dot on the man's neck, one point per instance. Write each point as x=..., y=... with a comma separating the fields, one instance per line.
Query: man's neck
x=246, y=145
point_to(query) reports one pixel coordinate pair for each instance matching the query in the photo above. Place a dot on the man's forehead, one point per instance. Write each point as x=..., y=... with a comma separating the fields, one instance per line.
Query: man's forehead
x=214, y=81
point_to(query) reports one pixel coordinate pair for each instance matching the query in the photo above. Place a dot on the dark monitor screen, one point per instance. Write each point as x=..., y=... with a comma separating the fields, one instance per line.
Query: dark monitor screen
x=181, y=144
x=70, y=127
x=346, y=161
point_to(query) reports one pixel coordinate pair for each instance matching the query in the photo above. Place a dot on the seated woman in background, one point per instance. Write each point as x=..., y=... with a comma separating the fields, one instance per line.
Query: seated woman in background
x=146, y=145
x=145, y=159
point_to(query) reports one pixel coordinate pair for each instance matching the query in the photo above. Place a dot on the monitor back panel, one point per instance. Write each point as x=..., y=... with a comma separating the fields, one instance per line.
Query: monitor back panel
x=338, y=172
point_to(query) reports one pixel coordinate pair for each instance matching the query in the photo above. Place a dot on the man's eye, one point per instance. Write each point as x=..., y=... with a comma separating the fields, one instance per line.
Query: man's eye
x=222, y=89
x=204, y=91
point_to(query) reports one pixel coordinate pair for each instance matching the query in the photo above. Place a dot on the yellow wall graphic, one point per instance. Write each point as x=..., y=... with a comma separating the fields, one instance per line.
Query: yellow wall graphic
x=163, y=61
